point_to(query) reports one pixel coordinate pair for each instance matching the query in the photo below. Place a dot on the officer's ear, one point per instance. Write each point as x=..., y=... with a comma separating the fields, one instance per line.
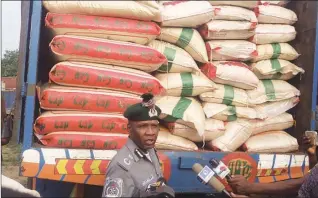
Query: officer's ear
x=129, y=127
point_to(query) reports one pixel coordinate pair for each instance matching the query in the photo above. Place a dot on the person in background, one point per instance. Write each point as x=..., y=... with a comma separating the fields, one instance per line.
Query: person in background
x=305, y=187
x=10, y=187
x=135, y=170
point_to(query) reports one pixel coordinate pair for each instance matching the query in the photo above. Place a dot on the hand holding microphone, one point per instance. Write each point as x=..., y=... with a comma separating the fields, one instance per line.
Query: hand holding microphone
x=238, y=183
x=206, y=175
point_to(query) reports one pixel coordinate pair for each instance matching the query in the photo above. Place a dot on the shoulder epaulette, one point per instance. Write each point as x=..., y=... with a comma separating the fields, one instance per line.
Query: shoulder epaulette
x=126, y=162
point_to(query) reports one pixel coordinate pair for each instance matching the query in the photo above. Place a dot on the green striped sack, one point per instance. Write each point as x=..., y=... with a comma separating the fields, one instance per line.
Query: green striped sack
x=188, y=39
x=276, y=50
x=187, y=111
x=185, y=84
x=178, y=59
x=226, y=94
x=277, y=69
x=228, y=113
x=272, y=90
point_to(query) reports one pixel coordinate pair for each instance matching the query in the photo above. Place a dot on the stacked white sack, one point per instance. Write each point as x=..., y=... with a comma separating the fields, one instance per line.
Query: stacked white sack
x=183, y=45
x=235, y=35
x=227, y=48
x=274, y=96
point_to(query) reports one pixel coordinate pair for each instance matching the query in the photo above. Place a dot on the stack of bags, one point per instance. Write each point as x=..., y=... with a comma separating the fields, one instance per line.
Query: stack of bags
x=251, y=97
x=184, y=48
x=206, y=64
x=273, y=67
x=103, y=67
x=107, y=52
x=228, y=49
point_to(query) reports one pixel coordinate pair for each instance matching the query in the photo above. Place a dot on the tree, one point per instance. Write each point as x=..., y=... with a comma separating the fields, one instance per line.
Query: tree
x=9, y=63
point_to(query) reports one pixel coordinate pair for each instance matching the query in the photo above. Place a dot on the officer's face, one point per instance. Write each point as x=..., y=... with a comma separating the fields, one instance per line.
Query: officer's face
x=144, y=133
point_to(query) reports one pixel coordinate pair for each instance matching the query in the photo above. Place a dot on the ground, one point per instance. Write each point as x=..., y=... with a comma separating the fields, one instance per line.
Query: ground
x=10, y=162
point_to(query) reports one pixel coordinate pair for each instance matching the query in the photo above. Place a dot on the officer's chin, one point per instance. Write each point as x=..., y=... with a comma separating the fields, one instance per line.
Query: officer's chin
x=148, y=146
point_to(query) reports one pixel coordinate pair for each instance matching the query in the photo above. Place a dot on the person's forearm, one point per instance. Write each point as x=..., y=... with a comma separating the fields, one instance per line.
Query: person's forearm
x=312, y=160
x=277, y=188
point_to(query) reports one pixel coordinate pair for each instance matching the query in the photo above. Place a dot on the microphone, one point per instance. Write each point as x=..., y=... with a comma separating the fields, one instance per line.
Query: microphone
x=220, y=169
x=206, y=175
x=162, y=181
x=158, y=189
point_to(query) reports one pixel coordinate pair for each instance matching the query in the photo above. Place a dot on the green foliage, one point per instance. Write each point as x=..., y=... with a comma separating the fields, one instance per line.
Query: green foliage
x=9, y=63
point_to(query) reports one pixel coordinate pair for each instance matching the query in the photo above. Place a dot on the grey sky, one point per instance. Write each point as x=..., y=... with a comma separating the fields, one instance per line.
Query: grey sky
x=11, y=23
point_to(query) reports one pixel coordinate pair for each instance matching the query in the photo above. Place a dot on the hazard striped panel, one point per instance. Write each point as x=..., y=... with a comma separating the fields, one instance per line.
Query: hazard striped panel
x=81, y=167
x=271, y=172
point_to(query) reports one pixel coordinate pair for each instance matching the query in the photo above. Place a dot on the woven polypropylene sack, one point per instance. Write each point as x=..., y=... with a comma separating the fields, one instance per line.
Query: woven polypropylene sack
x=244, y=4
x=227, y=30
x=80, y=99
x=277, y=69
x=213, y=129
x=178, y=59
x=187, y=111
x=185, y=84
x=214, y=125
x=277, y=123
x=90, y=75
x=276, y=50
x=233, y=13
x=167, y=141
x=186, y=13
x=273, y=33
x=139, y=10
x=272, y=109
x=228, y=113
x=271, y=91
x=270, y=2
x=235, y=135
x=236, y=74
x=119, y=29
x=275, y=14
x=88, y=49
x=55, y=121
x=191, y=133
x=231, y=50
x=84, y=140
x=271, y=142
x=176, y=128
x=226, y=94
x=188, y=39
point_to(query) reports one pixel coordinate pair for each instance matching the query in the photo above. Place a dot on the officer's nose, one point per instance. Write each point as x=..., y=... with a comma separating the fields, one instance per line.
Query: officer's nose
x=150, y=130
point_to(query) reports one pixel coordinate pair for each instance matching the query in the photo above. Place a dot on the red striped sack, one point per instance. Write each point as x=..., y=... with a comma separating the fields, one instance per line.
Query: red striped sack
x=87, y=49
x=84, y=140
x=119, y=29
x=69, y=98
x=55, y=121
x=90, y=75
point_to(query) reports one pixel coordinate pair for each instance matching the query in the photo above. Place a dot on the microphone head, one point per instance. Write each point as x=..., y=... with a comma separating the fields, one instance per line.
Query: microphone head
x=214, y=163
x=213, y=181
x=162, y=180
x=197, y=168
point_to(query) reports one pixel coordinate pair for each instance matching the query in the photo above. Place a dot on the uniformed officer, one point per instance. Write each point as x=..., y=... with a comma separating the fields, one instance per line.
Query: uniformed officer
x=135, y=170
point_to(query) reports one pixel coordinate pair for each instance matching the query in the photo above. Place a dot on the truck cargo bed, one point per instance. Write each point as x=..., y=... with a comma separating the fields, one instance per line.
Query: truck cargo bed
x=88, y=166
